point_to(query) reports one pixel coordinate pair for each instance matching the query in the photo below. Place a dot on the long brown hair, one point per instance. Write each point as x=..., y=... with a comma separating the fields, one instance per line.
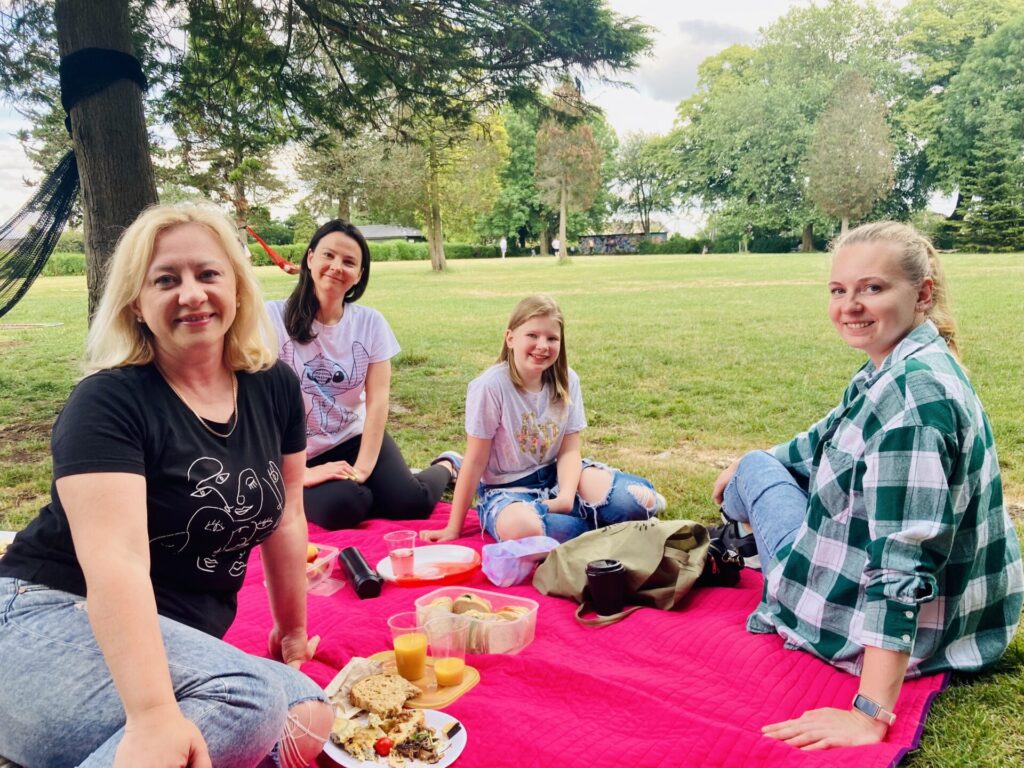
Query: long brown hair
x=539, y=305
x=302, y=306
x=918, y=260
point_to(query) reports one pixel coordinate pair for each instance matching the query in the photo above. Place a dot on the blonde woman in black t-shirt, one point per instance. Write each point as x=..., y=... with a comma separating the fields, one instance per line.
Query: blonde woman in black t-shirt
x=180, y=451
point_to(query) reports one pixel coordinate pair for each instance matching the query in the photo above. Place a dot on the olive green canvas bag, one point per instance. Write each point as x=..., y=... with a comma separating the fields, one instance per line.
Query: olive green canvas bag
x=662, y=558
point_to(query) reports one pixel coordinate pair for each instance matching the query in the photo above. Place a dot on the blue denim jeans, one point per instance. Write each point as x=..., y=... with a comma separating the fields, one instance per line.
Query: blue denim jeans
x=59, y=706
x=618, y=505
x=764, y=494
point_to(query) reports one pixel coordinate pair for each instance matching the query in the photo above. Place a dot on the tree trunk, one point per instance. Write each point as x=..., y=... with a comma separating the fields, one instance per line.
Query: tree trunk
x=544, y=242
x=807, y=240
x=238, y=198
x=563, y=210
x=109, y=136
x=845, y=225
x=345, y=207
x=435, y=237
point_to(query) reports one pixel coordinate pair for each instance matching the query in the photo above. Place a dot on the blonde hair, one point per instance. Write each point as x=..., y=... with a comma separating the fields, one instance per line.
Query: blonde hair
x=539, y=305
x=918, y=260
x=116, y=339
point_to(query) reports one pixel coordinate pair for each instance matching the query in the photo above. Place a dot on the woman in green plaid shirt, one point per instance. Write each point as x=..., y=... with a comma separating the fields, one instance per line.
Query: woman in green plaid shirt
x=886, y=547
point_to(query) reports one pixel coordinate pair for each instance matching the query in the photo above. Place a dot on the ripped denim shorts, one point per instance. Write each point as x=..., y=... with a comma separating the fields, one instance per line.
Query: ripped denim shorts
x=619, y=505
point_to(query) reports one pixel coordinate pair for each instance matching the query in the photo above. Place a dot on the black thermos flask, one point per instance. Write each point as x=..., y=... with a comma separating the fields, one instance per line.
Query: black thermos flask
x=366, y=581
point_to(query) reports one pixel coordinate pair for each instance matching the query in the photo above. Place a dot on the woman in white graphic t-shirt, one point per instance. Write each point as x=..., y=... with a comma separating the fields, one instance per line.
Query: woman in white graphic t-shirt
x=341, y=352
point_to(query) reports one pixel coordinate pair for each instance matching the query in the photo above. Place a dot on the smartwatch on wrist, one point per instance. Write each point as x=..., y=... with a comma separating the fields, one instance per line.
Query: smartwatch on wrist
x=873, y=709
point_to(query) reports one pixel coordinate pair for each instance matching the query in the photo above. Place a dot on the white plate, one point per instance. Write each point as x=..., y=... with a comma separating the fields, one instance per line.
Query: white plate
x=434, y=719
x=424, y=559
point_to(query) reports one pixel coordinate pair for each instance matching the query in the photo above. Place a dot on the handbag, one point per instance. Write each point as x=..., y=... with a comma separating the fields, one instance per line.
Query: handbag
x=663, y=559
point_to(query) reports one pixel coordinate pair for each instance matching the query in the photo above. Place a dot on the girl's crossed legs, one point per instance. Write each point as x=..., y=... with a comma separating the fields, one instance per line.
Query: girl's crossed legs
x=605, y=496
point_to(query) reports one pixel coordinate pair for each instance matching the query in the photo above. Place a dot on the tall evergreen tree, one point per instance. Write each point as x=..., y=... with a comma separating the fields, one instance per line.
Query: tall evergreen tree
x=992, y=195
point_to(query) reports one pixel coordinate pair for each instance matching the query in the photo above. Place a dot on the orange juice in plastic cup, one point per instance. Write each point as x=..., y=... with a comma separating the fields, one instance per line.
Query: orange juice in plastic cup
x=448, y=636
x=410, y=644
x=449, y=670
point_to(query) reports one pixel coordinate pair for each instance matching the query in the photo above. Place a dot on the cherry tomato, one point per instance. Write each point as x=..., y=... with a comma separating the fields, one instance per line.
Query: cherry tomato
x=383, y=746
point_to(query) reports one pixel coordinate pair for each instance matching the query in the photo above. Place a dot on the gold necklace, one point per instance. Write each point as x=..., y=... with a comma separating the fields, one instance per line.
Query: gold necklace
x=207, y=427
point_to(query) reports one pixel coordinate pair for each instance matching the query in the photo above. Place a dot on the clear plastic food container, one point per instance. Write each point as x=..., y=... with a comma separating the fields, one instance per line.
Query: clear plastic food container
x=499, y=623
x=319, y=571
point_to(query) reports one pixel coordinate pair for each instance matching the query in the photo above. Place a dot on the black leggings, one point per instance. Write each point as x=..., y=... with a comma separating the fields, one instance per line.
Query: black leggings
x=391, y=491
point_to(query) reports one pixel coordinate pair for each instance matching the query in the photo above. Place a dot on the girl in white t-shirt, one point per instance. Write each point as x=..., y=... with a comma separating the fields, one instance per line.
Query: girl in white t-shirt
x=341, y=352
x=523, y=420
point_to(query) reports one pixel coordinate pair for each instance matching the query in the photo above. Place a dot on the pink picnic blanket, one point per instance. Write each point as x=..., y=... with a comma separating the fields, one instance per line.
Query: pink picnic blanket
x=662, y=688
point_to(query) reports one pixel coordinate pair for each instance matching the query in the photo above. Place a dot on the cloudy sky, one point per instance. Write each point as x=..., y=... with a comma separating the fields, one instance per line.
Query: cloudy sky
x=686, y=32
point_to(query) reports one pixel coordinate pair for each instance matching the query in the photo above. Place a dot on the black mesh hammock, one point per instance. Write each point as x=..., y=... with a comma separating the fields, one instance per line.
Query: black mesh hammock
x=29, y=237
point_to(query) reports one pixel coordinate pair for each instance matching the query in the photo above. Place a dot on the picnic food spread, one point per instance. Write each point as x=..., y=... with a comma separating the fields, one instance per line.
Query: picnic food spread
x=388, y=730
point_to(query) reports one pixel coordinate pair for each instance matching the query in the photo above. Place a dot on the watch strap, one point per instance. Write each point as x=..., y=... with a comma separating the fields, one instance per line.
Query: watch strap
x=873, y=709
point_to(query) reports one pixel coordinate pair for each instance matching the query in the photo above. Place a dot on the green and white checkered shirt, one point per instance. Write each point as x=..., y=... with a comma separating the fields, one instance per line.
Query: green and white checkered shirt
x=906, y=544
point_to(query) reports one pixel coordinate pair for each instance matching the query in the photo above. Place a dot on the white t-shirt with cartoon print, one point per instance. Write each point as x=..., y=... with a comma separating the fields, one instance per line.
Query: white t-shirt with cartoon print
x=332, y=370
x=525, y=428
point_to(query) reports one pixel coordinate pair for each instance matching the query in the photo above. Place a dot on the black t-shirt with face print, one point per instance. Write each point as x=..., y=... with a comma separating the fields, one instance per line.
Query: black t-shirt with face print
x=209, y=500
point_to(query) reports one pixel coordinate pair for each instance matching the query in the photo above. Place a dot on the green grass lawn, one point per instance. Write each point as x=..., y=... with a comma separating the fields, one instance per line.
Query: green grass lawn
x=685, y=361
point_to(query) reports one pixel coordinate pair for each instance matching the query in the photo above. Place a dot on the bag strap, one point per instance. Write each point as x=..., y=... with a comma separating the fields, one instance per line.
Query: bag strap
x=601, y=621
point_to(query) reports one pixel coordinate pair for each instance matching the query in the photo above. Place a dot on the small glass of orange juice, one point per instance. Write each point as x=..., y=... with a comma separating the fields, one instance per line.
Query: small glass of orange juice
x=410, y=644
x=448, y=636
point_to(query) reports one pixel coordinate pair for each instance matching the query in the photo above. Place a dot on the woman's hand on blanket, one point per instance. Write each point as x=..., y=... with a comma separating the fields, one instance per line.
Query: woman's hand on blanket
x=827, y=727
x=723, y=480
x=159, y=737
x=293, y=648
x=444, y=534
x=332, y=470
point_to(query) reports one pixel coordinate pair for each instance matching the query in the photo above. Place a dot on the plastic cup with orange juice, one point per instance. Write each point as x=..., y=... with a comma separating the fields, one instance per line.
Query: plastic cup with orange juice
x=448, y=637
x=410, y=644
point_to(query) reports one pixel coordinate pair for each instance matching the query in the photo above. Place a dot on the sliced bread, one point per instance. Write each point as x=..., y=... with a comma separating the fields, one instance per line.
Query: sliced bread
x=383, y=695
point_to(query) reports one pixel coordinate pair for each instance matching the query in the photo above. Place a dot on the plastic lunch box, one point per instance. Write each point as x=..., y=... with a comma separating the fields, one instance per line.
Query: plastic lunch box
x=487, y=636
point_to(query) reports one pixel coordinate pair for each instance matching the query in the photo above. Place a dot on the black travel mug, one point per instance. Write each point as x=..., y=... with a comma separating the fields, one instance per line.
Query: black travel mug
x=366, y=581
x=606, y=581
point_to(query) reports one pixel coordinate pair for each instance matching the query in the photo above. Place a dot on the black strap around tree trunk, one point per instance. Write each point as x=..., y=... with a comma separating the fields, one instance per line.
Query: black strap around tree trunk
x=30, y=236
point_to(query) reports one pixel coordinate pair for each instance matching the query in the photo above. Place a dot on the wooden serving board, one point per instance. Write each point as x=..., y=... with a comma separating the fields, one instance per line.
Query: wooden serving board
x=433, y=696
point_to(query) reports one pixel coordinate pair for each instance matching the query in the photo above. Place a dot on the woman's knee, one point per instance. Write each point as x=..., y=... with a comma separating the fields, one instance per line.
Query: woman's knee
x=337, y=504
x=241, y=715
x=306, y=731
x=757, y=472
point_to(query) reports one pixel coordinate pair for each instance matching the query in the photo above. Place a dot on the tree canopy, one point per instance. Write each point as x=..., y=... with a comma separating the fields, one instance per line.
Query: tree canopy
x=325, y=64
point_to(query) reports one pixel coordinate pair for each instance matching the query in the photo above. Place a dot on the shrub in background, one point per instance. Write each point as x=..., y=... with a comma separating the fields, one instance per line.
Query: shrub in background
x=64, y=264
x=71, y=241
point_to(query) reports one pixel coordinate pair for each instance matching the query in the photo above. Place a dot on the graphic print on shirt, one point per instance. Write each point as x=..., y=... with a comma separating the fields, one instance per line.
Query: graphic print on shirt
x=221, y=534
x=324, y=379
x=536, y=438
